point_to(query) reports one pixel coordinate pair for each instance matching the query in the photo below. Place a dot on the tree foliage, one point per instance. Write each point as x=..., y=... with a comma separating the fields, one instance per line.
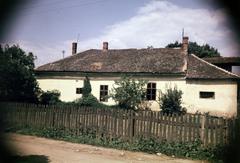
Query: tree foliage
x=87, y=89
x=200, y=50
x=17, y=79
x=171, y=101
x=50, y=97
x=176, y=44
x=129, y=93
x=87, y=98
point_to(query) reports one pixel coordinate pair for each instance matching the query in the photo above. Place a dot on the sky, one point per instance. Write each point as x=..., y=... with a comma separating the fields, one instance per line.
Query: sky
x=48, y=27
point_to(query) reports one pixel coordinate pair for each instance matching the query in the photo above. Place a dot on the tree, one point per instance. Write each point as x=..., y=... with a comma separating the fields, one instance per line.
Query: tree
x=200, y=50
x=171, y=101
x=17, y=79
x=87, y=89
x=50, y=97
x=129, y=93
x=176, y=44
x=87, y=98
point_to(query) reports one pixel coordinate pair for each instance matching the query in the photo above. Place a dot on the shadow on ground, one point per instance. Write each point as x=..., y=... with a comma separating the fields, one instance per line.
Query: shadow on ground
x=30, y=159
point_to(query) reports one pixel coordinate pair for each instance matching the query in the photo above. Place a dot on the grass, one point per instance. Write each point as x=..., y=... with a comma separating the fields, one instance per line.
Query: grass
x=192, y=150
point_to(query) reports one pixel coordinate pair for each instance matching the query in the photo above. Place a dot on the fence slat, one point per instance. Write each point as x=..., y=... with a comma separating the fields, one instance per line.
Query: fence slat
x=126, y=124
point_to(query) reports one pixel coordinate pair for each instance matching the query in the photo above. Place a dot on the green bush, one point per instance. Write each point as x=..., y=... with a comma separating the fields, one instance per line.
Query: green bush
x=50, y=97
x=129, y=93
x=171, y=101
x=89, y=100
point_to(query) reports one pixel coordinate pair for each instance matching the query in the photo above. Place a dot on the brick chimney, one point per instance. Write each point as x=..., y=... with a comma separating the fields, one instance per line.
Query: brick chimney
x=185, y=51
x=185, y=44
x=74, y=48
x=105, y=46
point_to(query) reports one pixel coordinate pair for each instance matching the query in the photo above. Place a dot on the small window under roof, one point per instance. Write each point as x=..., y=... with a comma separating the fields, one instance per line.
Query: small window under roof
x=207, y=95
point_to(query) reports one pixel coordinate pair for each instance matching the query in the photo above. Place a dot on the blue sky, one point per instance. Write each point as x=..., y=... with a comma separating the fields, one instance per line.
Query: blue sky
x=47, y=27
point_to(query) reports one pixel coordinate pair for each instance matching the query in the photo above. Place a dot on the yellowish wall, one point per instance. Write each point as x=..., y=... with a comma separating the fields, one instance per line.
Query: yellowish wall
x=67, y=87
x=225, y=102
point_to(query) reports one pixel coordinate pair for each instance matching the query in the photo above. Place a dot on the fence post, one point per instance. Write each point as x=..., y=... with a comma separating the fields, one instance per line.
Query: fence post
x=232, y=135
x=53, y=116
x=203, y=121
x=130, y=122
x=133, y=115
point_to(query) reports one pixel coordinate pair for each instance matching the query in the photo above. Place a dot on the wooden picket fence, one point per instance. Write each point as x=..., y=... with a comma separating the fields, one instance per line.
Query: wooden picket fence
x=119, y=123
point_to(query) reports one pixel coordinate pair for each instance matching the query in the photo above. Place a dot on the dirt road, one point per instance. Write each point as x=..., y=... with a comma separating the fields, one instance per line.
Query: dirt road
x=65, y=152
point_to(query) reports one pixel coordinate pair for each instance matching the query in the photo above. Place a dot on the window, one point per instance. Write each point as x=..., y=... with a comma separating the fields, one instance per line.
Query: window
x=103, y=93
x=78, y=90
x=151, y=91
x=207, y=95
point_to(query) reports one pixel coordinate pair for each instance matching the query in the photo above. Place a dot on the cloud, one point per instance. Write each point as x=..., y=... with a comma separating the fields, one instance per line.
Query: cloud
x=157, y=23
x=160, y=22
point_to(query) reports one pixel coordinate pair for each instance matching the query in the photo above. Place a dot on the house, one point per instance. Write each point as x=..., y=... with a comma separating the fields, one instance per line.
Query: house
x=224, y=62
x=206, y=87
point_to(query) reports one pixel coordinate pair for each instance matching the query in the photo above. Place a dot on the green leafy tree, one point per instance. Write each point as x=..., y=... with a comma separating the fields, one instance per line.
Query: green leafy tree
x=17, y=79
x=171, y=101
x=129, y=93
x=87, y=98
x=176, y=44
x=50, y=97
x=200, y=50
x=87, y=89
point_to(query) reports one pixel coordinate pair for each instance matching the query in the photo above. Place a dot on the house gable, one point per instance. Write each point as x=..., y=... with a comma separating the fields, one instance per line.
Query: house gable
x=198, y=68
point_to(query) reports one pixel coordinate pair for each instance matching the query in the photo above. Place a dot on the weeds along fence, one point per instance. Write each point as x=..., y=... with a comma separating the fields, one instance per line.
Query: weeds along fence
x=119, y=123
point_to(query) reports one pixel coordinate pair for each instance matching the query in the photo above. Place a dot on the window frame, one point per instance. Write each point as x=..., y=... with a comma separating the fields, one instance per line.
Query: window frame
x=206, y=94
x=79, y=90
x=103, y=93
x=151, y=91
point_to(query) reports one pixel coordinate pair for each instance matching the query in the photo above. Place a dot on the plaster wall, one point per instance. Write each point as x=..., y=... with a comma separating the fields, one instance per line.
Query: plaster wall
x=224, y=102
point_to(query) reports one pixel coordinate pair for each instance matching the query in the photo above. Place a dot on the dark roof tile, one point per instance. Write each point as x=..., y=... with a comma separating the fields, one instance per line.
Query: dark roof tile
x=200, y=69
x=157, y=60
x=162, y=60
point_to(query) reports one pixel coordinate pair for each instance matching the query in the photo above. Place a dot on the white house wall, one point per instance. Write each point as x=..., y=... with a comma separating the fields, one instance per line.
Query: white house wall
x=67, y=87
x=224, y=103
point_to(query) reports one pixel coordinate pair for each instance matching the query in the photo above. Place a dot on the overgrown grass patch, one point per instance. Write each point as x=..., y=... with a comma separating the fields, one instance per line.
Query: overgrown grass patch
x=193, y=150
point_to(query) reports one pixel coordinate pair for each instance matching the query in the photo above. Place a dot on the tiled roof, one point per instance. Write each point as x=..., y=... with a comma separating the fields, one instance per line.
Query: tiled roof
x=163, y=60
x=152, y=60
x=201, y=69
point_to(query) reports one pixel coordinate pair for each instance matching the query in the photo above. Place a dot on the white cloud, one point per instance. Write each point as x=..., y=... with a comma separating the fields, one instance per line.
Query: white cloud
x=160, y=22
x=157, y=23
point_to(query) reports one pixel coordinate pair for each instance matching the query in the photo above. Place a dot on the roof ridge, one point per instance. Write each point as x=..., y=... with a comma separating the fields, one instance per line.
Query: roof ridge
x=136, y=49
x=221, y=69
